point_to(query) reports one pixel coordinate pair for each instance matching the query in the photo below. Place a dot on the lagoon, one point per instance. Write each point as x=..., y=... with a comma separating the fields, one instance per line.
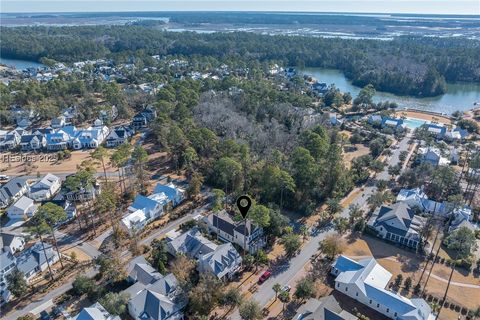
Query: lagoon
x=459, y=96
x=20, y=64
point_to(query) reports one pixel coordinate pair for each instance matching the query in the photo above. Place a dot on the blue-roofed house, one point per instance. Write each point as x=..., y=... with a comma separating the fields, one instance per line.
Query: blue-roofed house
x=366, y=282
x=394, y=123
x=375, y=119
x=59, y=140
x=175, y=194
x=143, y=211
x=435, y=130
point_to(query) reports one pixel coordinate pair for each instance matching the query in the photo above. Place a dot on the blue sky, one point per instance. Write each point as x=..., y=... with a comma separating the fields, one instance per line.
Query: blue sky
x=360, y=6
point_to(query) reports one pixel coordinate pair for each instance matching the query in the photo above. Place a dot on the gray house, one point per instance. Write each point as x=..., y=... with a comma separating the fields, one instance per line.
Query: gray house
x=223, y=261
x=397, y=223
x=326, y=308
x=13, y=190
x=33, y=261
x=152, y=295
x=95, y=312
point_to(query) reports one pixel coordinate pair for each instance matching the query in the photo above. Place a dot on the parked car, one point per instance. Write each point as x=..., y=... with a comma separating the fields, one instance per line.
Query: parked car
x=264, y=277
x=286, y=288
x=4, y=177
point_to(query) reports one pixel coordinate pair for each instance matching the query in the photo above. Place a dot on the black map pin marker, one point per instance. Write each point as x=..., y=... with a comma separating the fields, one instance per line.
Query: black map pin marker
x=244, y=208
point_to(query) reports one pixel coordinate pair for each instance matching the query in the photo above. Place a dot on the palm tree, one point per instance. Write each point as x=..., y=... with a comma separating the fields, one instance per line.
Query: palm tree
x=284, y=297
x=277, y=287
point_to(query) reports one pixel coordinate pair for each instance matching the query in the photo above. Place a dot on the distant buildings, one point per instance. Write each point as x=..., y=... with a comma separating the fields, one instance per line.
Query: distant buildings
x=365, y=281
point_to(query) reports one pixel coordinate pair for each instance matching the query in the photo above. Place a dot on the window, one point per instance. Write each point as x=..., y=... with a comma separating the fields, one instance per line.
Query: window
x=346, y=289
x=356, y=294
x=338, y=285
x=370, y=301
x=395, y=314
x=388, y=310
x=378, y=305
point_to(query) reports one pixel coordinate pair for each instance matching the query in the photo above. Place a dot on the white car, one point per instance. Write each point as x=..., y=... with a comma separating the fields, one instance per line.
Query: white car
x=286, y=288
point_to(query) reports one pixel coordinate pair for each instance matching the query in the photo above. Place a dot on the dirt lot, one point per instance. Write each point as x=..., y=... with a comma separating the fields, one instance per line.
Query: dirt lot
x=398, y=261
x=17, y=163
x=361, y=150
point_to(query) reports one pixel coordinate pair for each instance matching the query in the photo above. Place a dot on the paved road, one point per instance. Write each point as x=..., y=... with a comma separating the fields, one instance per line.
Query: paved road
x=286, y=273
x=92, y=252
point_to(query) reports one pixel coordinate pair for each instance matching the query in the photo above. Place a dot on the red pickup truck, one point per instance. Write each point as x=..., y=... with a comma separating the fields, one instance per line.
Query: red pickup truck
x=264, y=277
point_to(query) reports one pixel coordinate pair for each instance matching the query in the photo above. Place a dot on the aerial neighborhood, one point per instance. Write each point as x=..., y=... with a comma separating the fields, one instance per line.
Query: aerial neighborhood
x=126, y=162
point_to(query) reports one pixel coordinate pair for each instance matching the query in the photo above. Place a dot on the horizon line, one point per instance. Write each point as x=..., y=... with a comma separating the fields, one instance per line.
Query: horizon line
x=248, y=11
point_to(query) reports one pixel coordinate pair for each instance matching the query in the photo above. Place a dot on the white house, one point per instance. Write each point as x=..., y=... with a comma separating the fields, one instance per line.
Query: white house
x=46, y=188
x=23, y=208
x=416, y=198
x=95, y=312
x=12, y=242
x=433, y=156
x=365, y=281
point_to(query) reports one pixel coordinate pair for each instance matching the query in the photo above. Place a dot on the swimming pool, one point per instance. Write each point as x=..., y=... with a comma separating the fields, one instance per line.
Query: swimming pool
x=412, y=123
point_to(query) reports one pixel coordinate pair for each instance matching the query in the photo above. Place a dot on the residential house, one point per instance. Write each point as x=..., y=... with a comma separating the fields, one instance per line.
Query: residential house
x=58, y=122
x=140, y=120
x=108, y=114
x=13, y=190
x=56, y=141
x=90, y=138
x=365, y=281
x=435, y=130
x=394, y=123
x=84, y=194
x=33, y=261
x=375, y=119
x=175, y=194
x=23, y=208
x=462, y=217
x=326, y=308
x=222, y=261
x=417, y=199
x=12, y=242
x=10, y=141
x=397, y=223
x=433, y=156
x=118, y=136
x=457, y=134
x=153, y=295
x=7, y=265
x=95, y=312
x=45, y=188
x=249, y=238
x=143, y=211
x=32, y=142
x=67, y=206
